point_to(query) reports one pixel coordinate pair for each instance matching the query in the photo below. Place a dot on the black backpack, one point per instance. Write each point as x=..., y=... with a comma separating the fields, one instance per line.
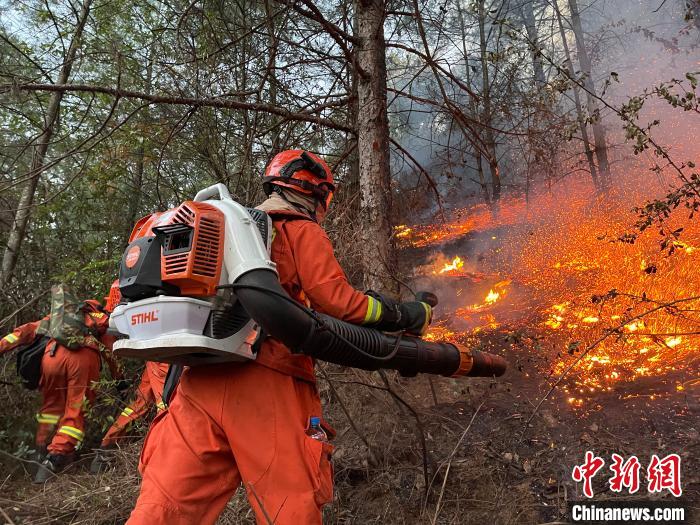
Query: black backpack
x=29, y=362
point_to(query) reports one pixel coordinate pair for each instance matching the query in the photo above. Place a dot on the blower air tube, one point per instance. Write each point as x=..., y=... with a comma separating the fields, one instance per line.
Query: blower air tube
x=329, y=339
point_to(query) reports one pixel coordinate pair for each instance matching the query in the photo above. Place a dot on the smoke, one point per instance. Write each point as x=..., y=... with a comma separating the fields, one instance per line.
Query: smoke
x=557, y=264
x=645, y=43
x=634, y=46
x=560, y=246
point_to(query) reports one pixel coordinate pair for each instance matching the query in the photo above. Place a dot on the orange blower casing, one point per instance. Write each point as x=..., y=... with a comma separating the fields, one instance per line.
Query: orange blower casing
x=195, y=270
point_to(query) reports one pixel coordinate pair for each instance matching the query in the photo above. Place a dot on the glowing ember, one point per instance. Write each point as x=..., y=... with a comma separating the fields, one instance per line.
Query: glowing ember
x=402, y=231
x=673, y=342
x=494, y=294
x=554, y=321
x=489, y=322
x=579, y=286
x=440, y=332
x=634, y=326
x=683, y=246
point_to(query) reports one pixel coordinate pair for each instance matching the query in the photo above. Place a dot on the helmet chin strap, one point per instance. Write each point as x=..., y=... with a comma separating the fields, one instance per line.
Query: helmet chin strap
x=311, y=213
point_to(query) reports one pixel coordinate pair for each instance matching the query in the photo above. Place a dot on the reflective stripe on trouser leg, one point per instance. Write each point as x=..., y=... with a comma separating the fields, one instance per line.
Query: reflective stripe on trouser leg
x=46, y=424
x=428, y=316
x=47, y=419
x=73, y=432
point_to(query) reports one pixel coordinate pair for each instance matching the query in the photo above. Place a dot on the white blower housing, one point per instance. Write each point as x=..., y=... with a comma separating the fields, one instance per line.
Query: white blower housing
x=176, y=307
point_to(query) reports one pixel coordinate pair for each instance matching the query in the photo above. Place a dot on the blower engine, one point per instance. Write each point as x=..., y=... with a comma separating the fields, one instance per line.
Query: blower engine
x=198, y=287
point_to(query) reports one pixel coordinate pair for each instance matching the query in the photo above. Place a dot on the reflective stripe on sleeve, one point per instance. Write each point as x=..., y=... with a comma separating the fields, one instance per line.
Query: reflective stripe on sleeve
x=73, y=432
x=127, y=411
x=47, y=419
x=11, y=338
x=374, y=311
x=428, y=316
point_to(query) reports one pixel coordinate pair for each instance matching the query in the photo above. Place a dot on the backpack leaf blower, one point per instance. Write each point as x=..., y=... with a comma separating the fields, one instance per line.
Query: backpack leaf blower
x=198, y=287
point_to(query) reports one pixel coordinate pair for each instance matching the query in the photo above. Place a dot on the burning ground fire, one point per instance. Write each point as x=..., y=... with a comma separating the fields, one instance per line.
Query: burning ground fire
x=557, y=270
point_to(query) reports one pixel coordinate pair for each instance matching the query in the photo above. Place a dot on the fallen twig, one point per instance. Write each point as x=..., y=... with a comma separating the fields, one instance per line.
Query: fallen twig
x=449, y=464
x=372, y=457
x=7, y=454
x=7, y=517
x=260, y=504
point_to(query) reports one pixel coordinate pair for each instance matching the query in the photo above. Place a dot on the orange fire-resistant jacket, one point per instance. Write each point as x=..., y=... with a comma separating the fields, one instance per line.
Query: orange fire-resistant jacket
x=310, y=273
x=66, y=381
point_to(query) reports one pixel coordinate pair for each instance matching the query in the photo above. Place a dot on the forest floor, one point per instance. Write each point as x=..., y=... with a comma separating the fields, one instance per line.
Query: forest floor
x=484, y=465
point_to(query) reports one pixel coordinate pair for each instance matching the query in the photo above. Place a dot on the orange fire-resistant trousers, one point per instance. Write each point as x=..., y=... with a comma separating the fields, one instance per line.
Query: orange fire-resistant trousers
x=245, y=424
x=149, y=391
x=66, y=388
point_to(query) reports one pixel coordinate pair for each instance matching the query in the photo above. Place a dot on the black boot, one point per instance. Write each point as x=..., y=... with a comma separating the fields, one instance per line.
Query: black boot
x=52, y=465
x=36, y=458
x=104, y=460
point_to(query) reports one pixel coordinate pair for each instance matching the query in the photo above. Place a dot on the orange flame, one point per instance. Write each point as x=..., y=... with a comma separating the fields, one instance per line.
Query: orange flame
x=563, y=255
x=456, y=264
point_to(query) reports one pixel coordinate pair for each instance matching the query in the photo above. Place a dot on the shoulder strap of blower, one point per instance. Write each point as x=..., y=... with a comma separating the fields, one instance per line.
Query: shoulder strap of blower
x=284, y=216
x=281, y=216
x=172, y=379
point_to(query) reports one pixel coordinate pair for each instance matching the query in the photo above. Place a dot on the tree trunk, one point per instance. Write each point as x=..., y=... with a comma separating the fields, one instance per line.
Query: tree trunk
x=378, y=256
x=528, y=13
x=486, y=97
x=543, y=147
x=472, y=104
x=24, y=206
x=134, y=203
x=577, y=100
x=601, y=148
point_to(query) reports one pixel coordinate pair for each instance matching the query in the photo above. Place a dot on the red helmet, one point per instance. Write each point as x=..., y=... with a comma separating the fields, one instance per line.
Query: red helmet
x=115, y=296
x=301, y=171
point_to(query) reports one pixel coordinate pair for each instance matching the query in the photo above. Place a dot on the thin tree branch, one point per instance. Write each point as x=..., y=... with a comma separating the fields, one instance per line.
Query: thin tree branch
x=215, y=102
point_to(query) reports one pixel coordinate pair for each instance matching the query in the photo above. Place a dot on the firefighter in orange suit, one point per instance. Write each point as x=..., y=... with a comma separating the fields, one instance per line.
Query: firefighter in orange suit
x=66, y=387
x=246, y=423
x=148, y=392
